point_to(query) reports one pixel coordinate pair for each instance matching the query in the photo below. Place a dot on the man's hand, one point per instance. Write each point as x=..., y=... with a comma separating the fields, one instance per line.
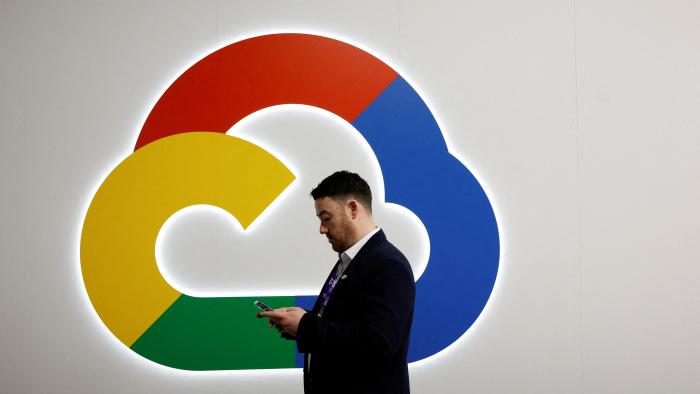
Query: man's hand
x=284, y=319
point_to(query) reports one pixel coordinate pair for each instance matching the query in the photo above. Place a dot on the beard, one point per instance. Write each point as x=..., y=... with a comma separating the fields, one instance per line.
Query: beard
x=340, y=239
x=335, y=246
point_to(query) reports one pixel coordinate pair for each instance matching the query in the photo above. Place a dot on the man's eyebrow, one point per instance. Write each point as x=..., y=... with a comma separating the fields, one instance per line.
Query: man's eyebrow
x=322, y=212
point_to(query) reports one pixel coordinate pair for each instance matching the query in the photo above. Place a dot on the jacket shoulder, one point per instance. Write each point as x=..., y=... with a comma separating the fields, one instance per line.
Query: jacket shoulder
x=382, y=254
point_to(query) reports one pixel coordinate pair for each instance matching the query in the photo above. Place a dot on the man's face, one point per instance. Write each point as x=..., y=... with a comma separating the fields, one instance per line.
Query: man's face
x=335, y=220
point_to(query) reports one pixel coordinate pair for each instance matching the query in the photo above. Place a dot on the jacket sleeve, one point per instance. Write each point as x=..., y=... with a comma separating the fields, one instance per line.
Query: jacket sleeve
x=379, y=329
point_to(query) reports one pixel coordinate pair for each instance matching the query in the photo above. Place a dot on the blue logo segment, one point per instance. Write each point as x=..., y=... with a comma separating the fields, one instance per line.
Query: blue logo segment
x=421, y=175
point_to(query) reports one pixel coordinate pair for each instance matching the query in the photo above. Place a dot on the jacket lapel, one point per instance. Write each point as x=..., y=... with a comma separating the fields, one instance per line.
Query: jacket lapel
x=359, y=260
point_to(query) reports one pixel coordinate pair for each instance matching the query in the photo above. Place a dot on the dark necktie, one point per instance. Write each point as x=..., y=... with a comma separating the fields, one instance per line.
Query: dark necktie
x=330, y=285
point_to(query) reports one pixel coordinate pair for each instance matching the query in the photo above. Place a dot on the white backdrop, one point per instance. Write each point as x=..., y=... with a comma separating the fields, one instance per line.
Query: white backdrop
x=580, y=118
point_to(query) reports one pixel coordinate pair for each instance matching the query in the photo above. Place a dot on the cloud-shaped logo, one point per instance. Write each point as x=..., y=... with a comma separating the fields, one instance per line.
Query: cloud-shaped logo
x=183, y=157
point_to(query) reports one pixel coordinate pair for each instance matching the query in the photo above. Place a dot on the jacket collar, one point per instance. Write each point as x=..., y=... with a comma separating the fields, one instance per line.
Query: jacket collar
x=371, y=243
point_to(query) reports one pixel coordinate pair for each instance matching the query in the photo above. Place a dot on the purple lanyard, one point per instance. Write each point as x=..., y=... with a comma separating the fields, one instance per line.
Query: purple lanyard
x=328, y=288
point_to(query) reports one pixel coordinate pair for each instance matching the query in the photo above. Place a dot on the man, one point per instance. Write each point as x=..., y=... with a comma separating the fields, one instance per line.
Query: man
x=355, y=338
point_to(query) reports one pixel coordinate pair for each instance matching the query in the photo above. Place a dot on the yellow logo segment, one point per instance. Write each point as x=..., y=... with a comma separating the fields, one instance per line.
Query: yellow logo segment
x=117, y=248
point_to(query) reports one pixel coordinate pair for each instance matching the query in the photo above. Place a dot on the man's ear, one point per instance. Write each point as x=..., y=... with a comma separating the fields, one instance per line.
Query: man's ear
x=352, y=204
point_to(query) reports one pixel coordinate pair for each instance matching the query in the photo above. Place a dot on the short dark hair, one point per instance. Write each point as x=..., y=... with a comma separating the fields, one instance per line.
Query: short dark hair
x=342, y=185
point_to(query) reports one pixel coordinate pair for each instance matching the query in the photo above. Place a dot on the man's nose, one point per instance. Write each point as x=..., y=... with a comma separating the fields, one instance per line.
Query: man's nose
x=322, y=229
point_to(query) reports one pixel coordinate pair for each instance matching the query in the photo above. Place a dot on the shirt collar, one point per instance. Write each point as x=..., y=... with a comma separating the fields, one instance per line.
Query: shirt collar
x=352, y=251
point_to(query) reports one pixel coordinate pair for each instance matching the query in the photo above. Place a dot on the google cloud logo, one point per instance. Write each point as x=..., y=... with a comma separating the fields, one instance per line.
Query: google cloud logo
x=183, y=157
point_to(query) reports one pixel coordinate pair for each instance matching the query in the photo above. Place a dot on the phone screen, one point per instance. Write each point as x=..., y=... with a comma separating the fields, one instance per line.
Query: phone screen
x=262, y=305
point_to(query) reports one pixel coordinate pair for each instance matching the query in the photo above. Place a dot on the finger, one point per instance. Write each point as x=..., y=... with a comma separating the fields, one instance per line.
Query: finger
x=274, y=315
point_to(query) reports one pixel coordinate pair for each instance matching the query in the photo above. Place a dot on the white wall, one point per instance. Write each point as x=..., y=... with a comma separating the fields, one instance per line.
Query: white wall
x=581, y=118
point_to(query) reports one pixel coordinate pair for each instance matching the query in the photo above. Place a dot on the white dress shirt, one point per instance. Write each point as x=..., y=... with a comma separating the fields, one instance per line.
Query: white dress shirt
x=347, y=256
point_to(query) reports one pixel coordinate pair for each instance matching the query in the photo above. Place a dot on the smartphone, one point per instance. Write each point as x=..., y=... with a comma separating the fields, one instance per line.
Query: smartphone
x=262, y=305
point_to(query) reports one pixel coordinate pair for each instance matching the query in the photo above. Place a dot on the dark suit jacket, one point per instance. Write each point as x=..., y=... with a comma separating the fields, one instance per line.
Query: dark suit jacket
x=360, y=343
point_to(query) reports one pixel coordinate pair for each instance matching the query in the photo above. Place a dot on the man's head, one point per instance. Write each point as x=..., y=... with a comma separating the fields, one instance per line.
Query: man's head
x=343, y=204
